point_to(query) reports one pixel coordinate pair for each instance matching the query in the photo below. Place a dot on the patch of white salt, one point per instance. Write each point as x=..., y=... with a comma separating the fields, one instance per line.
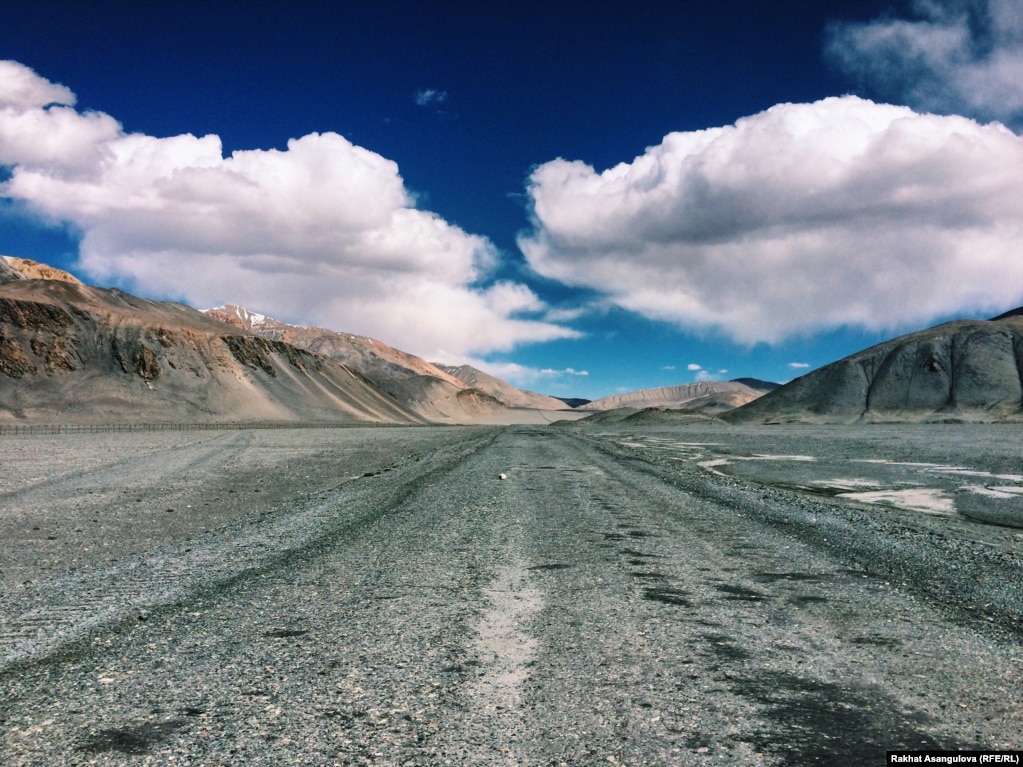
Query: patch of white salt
x=711, y=465
x=922, y=499
x=765, y=457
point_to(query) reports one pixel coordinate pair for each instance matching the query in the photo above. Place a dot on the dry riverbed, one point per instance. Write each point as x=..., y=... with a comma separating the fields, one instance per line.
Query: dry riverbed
x=654, y=595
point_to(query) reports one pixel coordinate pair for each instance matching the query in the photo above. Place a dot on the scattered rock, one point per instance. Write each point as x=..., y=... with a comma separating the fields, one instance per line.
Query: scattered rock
x=145, y=363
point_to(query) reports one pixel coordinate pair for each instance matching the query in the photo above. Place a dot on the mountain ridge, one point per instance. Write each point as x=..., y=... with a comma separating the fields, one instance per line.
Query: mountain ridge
x=83, y=354
x=512, y=396
x=80, y=353
x=434, y=391
x=710, y=394
x=964, y=370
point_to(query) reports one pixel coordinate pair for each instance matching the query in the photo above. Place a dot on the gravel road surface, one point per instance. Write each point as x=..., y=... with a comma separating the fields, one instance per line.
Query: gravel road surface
x=387, y=598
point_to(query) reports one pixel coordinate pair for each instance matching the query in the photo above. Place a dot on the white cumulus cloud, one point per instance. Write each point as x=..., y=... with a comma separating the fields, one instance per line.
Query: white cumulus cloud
x=799, y=365
x=20, y=87
x=804, y=217
x=963, y=56
x=323, y=231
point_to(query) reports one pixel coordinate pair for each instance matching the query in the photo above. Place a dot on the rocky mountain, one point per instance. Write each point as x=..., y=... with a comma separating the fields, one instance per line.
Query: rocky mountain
x=501, y=390
x=434, y=392
x=702, y=396
x=968, y=370
x=72, y=353
x=23, y=269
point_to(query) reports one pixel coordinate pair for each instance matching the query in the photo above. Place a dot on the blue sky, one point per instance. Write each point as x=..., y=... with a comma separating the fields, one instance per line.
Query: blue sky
x=583, y=198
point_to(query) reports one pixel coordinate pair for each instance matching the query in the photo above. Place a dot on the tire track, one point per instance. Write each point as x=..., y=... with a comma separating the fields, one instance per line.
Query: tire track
x=40, y=619
x=154, y=466
x=526, y=600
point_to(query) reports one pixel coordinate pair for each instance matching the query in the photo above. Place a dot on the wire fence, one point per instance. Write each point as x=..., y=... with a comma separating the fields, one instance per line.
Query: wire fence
x=75, y=428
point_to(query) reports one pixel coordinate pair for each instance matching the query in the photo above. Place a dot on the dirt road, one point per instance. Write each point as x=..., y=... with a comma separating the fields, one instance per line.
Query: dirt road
x=600, y=604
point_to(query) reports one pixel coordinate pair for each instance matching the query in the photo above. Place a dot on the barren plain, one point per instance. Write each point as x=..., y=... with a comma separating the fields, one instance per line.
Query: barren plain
x=673, y=594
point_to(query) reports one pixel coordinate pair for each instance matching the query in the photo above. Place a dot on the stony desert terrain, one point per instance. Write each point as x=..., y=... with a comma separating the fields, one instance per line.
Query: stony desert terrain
x=571, y=594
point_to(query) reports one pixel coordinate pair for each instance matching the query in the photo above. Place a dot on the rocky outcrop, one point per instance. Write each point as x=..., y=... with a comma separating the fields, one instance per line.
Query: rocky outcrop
x=14, y=363
x=251, y=352
x=56, y=353
x=965, y=370
x=134, y=357
x=34, y=315
x=33, y=270
x=82, y=354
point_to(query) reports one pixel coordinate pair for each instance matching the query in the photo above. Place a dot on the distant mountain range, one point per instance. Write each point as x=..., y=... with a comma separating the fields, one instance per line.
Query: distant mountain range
x=72, y=353
x=708, y=397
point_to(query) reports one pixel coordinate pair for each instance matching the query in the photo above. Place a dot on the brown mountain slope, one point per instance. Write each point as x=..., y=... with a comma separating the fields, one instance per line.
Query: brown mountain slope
x=367, y=355
x=434, y=392
x=964, y=370
x=74, y=353
x=501, y=390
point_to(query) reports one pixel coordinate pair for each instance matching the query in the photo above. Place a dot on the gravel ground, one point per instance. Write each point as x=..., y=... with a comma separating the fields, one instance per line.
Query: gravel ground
x=76, y=500
x=612, y=600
